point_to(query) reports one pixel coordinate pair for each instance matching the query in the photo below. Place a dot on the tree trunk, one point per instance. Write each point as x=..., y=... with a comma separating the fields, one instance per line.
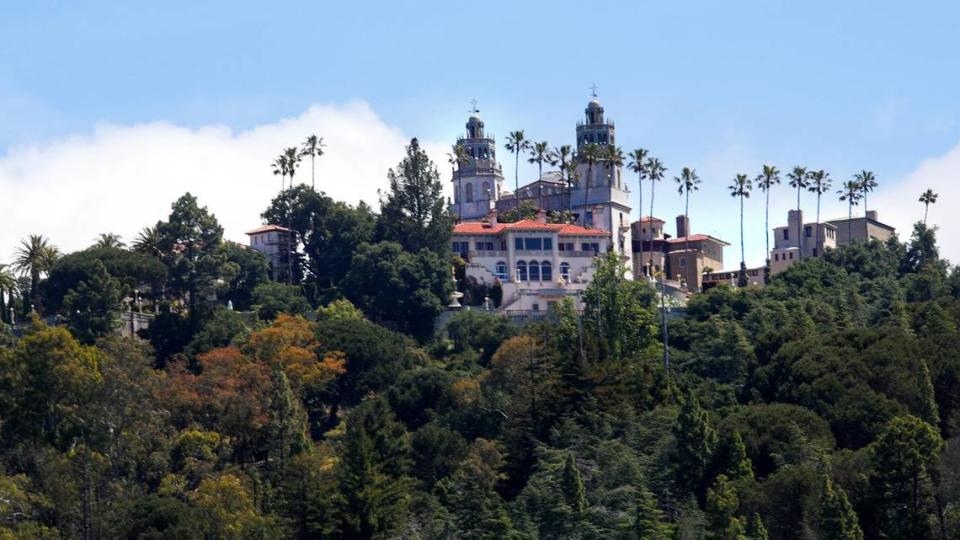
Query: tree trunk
x=586, y=193
x=817, y=246
x=799, y=224
x=686, y=236
x=653, y=187
x=313, y=182
x=640, y=206
x=516, y=176
x=926, y=208
x=766, y=227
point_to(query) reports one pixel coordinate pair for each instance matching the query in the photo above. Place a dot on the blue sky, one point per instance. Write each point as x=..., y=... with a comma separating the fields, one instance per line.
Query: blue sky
x=721, y=87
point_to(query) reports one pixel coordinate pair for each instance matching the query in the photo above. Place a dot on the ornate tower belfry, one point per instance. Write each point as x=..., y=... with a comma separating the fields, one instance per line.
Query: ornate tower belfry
x=478, y=184
x=595, y=129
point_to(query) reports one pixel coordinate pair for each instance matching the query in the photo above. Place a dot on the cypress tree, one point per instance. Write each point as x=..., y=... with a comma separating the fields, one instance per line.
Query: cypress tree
x=648, y=519
x=572, y=487
x=927, y=398
x=838, y=521
x=755, y=529
x=696, y=443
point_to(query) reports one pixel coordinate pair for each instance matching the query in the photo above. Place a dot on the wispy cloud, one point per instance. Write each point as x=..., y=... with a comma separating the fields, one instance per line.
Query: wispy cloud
x=122, y=178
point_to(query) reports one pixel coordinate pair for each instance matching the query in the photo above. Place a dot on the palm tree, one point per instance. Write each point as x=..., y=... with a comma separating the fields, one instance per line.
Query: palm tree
x=768, y=178
x=148, y=242
x=33, y=258
x=741, y=187
x=539, y=154
x=655, y=172
x=279, y=167
x=109, y=240
x=292, y=156
x=638, y=165
x=819, y=183
x=798, y=179
x=312, y=147
x=457, y=157
x=517, y=142
x=851, y=193
x=562, y=157
x=928, y=197
x=589, y=154
x=687, y=181
x=8, y=284
x=868, y=182
x=293, y=161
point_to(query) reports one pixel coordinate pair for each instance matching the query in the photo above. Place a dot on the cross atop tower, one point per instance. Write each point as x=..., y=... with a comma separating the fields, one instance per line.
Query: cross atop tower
x=593, y=89
x=473, y=106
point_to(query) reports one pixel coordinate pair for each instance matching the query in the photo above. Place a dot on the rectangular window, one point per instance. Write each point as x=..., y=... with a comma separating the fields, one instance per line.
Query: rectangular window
x=548, y=244
x=683, y=261
x=808, y=231
x=814, y=252
x=532, y=244
x=588, y=219
x=479, y=246
x=518, y=243
x=791, y=255
x=561, y=246
x=776, y=256
x=786, y=234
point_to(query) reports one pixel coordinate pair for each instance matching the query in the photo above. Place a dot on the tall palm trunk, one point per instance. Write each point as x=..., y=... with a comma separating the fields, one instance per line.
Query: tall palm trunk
x=653, y=187
x=3, y=306
x=586, y=192
x=799, y=225
x=766, y=227
x=743, y=251
x=817, y=245
x=926, y=208
x=516, y=177
x=313, y=184
x=849, y=222
x=686, y=235
x=640, y=206
x=540, y=184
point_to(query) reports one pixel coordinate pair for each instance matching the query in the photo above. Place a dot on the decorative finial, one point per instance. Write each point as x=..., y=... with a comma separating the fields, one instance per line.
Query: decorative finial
x=593, y=89
x=473, y=106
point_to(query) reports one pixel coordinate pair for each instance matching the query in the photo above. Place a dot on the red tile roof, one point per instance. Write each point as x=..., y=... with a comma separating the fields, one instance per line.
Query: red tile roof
x=475, y=227
x=268, y=228
x=695, y=238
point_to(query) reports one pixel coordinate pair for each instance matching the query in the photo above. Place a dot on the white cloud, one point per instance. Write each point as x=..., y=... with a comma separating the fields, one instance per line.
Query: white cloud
x=898, y=204
x=121, y=178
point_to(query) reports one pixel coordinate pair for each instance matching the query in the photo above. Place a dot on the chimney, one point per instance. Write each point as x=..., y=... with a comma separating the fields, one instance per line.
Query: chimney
x=872, y=215
x=492, y=217
x=541, y=215
x=683, y=226
x=794, y=221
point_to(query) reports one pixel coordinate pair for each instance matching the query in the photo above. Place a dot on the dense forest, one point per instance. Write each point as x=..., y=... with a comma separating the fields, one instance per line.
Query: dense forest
x=825, y=405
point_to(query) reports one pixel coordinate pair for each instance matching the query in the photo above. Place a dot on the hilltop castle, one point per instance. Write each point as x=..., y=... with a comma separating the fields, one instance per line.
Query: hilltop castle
x=538, y=262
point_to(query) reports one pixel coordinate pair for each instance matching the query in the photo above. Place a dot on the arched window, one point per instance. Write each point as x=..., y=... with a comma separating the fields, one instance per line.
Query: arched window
x=565, y=271
x=521, y=270
x=469, y=189
x=501, y=270
x=546, y=271
x=534, y=269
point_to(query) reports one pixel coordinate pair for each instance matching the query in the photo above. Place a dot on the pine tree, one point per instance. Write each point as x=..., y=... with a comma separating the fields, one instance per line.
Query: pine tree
x=737, y=465
x=286, y=421
x=572, y=487
x=696, y=443
x=838, y=521
x=927, y=399
x=722, y=503
x=734, y=530
x=374, y=483
x=648, y=519
x=414, y=213
x=94, y=305
x=755, y=529
x=902, y=456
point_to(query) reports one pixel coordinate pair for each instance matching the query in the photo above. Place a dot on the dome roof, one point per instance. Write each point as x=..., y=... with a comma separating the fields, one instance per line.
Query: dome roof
x=474, y=118
x=594, y=104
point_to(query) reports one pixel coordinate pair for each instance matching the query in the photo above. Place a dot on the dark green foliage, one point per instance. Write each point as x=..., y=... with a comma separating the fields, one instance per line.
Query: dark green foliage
x=838, y=521
x=93, y=304
x=222, y=328
x=696, y=443
x=130, y=269
x=414, y=212
x=407, y=290
x=243, y=271
x=648, y=519
x=272, y=298
x=479, y=332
